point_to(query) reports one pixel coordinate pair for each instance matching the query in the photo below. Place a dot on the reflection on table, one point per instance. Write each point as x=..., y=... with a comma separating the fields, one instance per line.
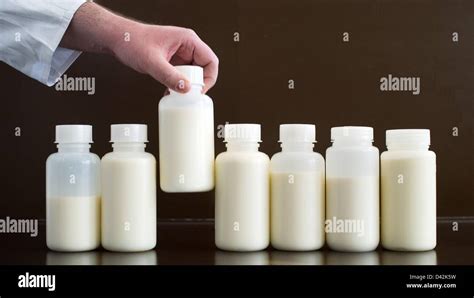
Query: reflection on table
x=409, y=258
x=130, y=258
x=266, y=257
x=241, y=258
x=325, y=257
x=73, y=258
x=297, y=258
x=352, y=258
x=102, y=258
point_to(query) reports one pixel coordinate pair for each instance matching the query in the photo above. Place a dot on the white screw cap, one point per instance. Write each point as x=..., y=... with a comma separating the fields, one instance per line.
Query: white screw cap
x=297, y=133
x=242, y=133
x=194, y=74
x=407, y=137
x=352, y=132
x=128, y=133
x=73, y=134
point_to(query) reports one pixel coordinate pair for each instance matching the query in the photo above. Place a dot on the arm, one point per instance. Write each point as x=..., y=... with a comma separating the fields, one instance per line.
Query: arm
x=148, y=49
x=30, y=33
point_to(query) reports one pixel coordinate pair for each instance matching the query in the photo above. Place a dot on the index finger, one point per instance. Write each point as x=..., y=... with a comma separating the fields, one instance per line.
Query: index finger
x=205, y=57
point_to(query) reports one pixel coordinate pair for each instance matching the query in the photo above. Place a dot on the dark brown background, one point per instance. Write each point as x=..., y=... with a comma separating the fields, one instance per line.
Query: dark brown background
x=336, y=84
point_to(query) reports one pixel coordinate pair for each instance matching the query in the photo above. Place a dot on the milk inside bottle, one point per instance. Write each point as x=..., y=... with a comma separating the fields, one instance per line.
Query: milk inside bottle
x=352, y=190
x=73, y=191
x=242, y=203
x=128, y=191
x=297, y=191
x=408, y=182
x=186, y=137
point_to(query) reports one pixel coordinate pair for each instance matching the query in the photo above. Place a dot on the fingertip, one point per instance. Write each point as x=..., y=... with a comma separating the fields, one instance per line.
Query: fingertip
x=208, y=84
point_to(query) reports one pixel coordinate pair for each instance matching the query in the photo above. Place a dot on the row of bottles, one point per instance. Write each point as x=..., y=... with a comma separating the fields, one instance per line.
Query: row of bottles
x=299, y=216
x=296, y=202
x=311, y=202
x=110, y=202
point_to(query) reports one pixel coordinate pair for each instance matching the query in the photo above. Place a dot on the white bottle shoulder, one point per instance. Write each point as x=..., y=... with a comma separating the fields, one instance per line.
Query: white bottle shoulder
x=297, y=161
x=117, y=156
x=338, y=149
x=407, y=154
x=191, y=99
x=255, y=156
x=83, y=157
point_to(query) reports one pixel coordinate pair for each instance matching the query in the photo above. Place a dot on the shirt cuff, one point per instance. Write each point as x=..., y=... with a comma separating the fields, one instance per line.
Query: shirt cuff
x=61, y=58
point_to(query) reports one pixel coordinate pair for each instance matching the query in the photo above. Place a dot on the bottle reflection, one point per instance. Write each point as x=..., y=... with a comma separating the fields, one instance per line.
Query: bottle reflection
x=102, y=258
x=73, y=258
x=241, y=258
x=409, y=258
x=296, y=258
x=130, y=258
x=352, y=258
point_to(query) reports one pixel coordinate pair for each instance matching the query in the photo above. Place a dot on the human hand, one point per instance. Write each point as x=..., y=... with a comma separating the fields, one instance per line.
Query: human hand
x=155, y=49
x=149, y=49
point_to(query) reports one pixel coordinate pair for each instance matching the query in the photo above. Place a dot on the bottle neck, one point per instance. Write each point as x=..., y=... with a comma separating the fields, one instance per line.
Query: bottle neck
x=351, y=142
x=401, y=146
x=242, y=146
x=73, y=148
x=195, y=89
x=129, y=147
x=297, y=147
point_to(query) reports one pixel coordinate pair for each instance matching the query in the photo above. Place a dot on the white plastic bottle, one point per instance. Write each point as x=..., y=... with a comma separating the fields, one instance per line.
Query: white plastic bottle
x=73, y=191
x=186, y=133
x=408, y=191
x=297, y=191
x=242, y=206
x=352, y=190
x=128, y=191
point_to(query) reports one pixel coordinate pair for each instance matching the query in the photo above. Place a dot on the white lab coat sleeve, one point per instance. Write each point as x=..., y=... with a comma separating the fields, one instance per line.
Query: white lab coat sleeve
x=30, y=33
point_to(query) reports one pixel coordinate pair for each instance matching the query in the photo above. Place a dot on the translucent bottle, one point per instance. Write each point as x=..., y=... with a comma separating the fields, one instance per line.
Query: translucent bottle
x=186, y=133
x=408, y=182
x=297, y=191
x=73, y=191
x=128, y=191
x=352, y=190
x=242, y=207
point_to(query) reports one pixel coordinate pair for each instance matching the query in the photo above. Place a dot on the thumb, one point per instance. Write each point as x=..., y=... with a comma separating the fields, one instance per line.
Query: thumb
x=162, y=71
